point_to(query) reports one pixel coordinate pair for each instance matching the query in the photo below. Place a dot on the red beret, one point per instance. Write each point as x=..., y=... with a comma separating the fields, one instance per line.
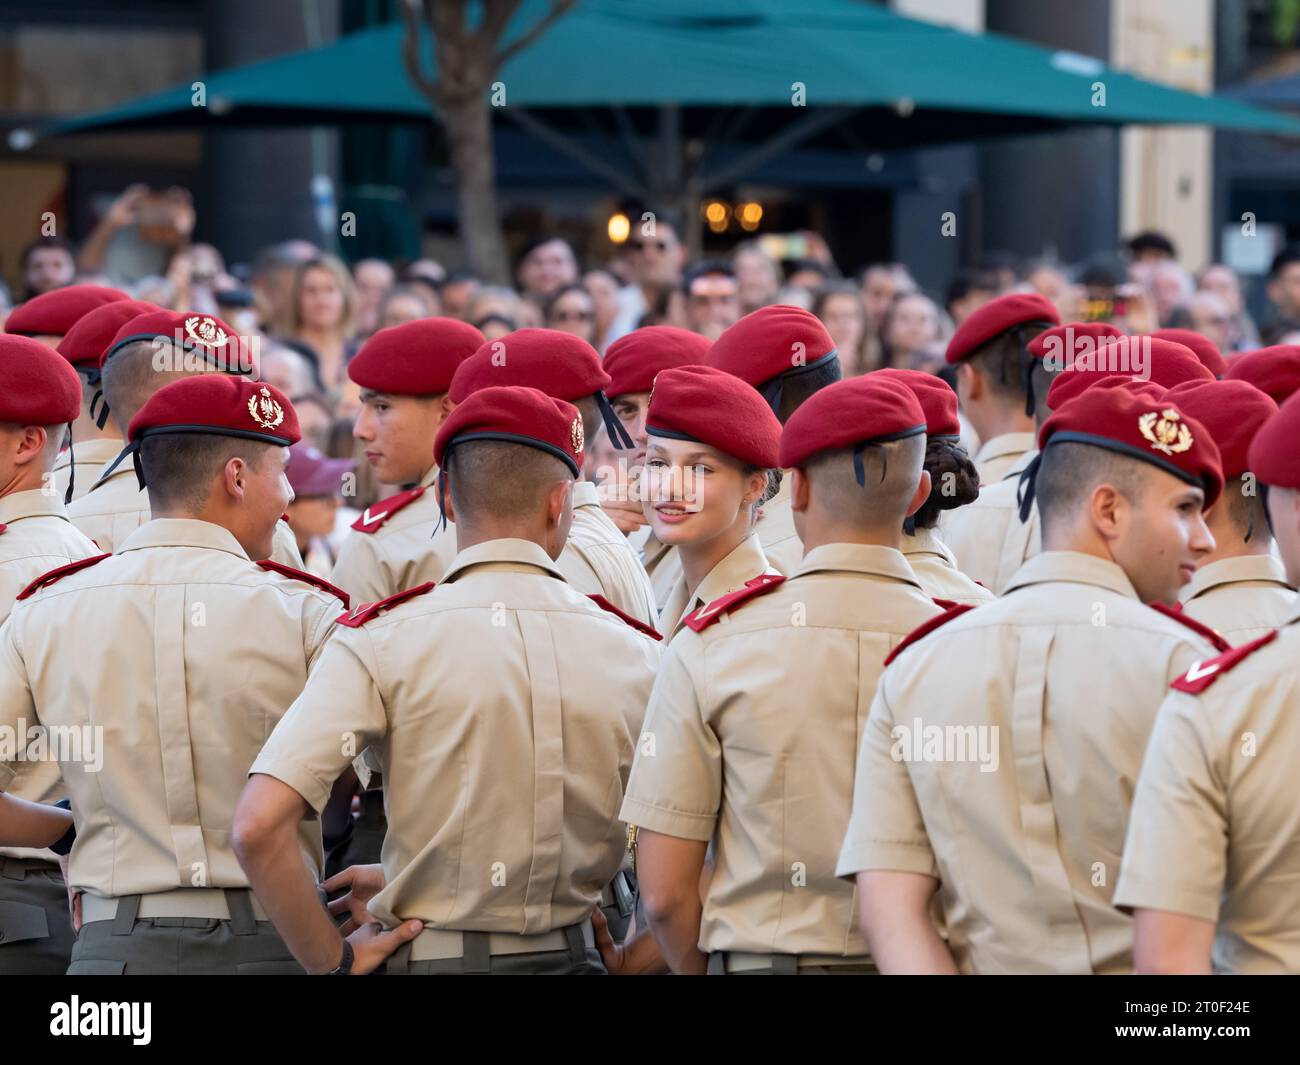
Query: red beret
x=53, y=313
x=1167, y=364
x=415, y=358
x=716, y=408
x=633, y=360
x=515, y=415
x=560, y=364
x=1274, y=455
x=1067, y=340
x=37, y=386
x=220, y=404
x=861, y=410
x=772, y=342
x=1132, y=422
x=1274, y=370
x=938, y=400
x=85, y=343
x=1200, y=345
x=1232, y=411
x=995, y=318
x=203, y=334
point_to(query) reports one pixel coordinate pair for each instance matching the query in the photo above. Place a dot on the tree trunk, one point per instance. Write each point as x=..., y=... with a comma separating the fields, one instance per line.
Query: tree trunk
x=469, y=130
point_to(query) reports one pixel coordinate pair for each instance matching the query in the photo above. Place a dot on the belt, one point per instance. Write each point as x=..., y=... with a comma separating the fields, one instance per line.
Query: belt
x=434, y=944
x=18, y=868
x=740, y=961
x=181, y=902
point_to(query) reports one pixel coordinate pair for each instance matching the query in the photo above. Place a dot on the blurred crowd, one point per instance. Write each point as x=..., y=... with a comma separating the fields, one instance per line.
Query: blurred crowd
x=311, y=311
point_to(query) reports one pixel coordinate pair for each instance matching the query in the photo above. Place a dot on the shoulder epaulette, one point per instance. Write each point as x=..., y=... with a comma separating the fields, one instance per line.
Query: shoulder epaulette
x=636, y=623
x=1176, y=613
x=58, y=573
x=310, y=578
x=374, y=516
x=928, y=627
x=702, y=617
x=1203, y=674
x=363, y=612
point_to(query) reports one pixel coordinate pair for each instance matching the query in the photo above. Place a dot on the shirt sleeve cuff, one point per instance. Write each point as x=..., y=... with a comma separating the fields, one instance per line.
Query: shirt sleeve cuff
x=871, y=856
x=676, y=823
x=1138, y=892
x=306, y=783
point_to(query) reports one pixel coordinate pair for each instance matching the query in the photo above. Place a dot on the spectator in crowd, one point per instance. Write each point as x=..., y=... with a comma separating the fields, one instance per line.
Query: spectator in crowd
x=1205, y=313
x=911, y=325
x=839, y=306
x=372, y=279
x=405, y=303
x=1002, y=267
x=657, y=259
x=1170, y=287
x=497, y=310
x=603, y=287
x=711, y=301
x=880, y=283
x=809, y=274
x=572, y=310
x=1151, y=246
x=1053, y=283
x=323, y=305
x=272, y=282
x=758, y=276
x=546, y=265
x=1223, y=282
x=458, y=293
x=969, y=290
x=1284, y=294
x=47, y=263
x=237, y=307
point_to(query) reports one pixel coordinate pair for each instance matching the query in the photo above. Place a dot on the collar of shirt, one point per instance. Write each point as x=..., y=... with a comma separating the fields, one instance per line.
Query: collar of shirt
x=1073, y=567
x=123, y=468
x=585, y=494
x=925, y=542
x=1004, y=444
x=872, y=559
x=182, y=532
x=33, y=503
x=519, y=556
x=102, y=450
x=1232, y=570
x=745, y=562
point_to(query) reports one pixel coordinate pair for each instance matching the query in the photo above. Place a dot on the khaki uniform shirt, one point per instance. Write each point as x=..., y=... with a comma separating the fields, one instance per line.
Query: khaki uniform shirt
x=115, y=509
x=92, y=456
x=1215, y=831
x=171, y=662
x=987, y=537
x=664, y=567
x=503, y=706
x=1240, y=598
x=775, y=528
x=1001, y=756
x=598, y=560
x=998, y=454
x=36, y=537
x=750, y=742
x=407, y=550
x=744, y=563
x=936, y=569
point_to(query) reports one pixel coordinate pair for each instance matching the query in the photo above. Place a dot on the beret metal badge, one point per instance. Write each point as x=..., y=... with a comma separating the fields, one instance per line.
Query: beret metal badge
x=205, y=331
x=265, y=410
x=576, y=435
x=1165, y=431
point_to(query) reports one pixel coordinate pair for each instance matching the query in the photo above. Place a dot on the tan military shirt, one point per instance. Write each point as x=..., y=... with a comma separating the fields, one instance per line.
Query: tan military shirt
x=1240, y=598
x=407, y=550
x=92, y=456
x=598, y=560
x=936, y=569
x=987, y=537
x=168, y=664
x=1215, y=831
x=503, y=705
x=776, y=532
x=663, y=565
x=35, y=537
x=744, y=563
x=114, y=509
x=750, y=743
x=998, y=454
x=1000, y=758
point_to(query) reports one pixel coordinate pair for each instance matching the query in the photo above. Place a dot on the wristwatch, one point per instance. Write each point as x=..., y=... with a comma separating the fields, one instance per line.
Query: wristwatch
x=345, y=963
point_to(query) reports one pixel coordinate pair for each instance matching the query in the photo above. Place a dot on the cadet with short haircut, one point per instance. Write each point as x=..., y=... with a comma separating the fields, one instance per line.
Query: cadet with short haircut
x=502, y=707
x=1001, y=749
x=195, y=652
